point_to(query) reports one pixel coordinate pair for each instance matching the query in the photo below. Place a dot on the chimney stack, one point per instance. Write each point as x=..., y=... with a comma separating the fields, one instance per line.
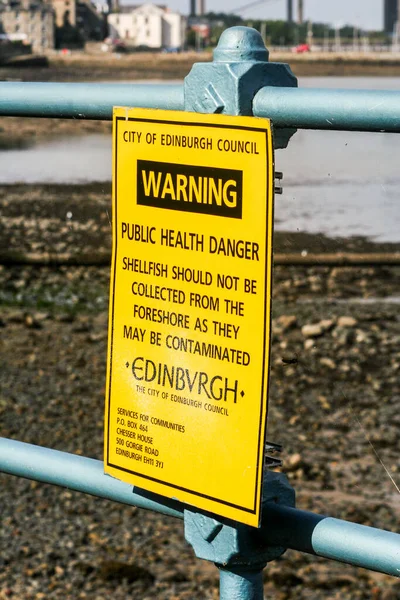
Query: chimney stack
x=300, y=15
x=290, y=11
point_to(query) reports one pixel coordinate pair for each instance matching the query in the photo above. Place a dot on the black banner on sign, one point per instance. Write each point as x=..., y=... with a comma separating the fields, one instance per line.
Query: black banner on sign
x=205, y=190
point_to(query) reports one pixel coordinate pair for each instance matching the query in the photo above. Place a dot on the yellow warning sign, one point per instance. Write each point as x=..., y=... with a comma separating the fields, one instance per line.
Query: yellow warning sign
x=189, y=327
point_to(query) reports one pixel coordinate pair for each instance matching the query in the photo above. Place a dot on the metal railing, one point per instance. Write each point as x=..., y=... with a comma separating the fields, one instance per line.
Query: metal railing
x=282, y=525
x=270, y=91
x=335, y=110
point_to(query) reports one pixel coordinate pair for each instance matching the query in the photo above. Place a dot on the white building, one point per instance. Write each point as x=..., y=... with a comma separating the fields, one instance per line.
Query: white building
x=148, y=25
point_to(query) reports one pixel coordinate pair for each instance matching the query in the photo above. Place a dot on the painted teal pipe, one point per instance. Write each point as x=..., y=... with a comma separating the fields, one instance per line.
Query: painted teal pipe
x=350, y=110
x=74, y=472
x=351, y=543
x=84, y=100
x=353, y=110
x=241, y=585
x=339, y=540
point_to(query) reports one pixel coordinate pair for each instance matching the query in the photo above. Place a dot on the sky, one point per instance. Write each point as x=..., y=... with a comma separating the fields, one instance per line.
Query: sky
x=366, y=14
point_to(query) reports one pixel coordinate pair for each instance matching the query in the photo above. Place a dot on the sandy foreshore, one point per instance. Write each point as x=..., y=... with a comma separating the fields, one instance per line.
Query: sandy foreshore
x=16, y=132
x=79, y=66
x=334, y=398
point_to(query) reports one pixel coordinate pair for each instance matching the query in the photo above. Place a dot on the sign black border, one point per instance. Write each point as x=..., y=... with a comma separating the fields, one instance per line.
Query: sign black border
x=261, y=434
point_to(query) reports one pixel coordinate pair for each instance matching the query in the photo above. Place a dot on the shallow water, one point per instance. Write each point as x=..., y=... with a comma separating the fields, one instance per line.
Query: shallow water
x=336, y=183
x=69, y=159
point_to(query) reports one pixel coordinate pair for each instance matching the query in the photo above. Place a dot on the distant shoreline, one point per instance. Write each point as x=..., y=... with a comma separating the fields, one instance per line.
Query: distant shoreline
x=348, y=64
x=131, y=67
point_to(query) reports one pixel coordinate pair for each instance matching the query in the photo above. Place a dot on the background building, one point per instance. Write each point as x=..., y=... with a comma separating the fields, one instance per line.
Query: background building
x=65, y=11
x=390, y=15
x=86, y=17
x=148, y=25
x=29, y=21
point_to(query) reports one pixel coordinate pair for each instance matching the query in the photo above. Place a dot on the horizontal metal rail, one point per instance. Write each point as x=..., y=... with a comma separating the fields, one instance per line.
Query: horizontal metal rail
x=343, y=541
x=71, y=471
x=343, y=110
x=351, y=110
x=339, y=540
x=84, y=100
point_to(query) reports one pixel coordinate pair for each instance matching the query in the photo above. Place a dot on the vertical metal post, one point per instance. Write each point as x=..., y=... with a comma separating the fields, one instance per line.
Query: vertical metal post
x=228, y=85
x=239, y=70
x=239, y=551
x=241, y=584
